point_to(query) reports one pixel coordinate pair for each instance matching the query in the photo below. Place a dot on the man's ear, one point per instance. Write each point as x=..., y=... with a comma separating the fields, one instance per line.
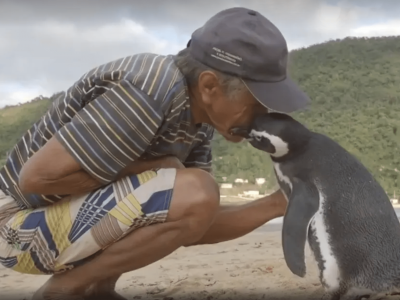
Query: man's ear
x=208, y=86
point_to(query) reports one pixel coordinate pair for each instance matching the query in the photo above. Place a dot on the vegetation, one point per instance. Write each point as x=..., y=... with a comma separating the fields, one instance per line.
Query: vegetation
x=15, y=120
x=354, y=85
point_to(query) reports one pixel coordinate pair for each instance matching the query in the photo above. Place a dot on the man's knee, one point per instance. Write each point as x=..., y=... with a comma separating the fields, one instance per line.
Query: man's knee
x=195, y=201
x=195, y=193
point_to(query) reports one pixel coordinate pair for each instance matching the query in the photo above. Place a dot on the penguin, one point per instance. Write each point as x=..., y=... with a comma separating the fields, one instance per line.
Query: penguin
x=335, y=205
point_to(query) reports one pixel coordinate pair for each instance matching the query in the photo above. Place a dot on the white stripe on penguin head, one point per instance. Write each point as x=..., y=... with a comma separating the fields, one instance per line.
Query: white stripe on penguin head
x=281, y=147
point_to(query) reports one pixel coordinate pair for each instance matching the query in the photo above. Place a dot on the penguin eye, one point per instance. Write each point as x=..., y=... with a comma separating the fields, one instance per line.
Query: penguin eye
x=258, y=138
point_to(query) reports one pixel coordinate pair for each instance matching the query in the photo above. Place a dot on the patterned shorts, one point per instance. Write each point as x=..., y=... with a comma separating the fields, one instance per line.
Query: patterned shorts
x=68, y=233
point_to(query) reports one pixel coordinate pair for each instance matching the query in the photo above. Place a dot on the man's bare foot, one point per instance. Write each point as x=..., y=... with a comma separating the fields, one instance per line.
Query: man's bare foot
x=104, y=289
x=109, y=295
x=46, y=292
x=51, y=291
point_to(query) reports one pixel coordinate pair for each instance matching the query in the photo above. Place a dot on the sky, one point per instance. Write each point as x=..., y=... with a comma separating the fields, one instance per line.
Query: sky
x=46, y=45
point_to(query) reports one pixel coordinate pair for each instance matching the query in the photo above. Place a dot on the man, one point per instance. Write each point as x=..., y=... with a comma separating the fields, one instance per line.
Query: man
x=118, y=174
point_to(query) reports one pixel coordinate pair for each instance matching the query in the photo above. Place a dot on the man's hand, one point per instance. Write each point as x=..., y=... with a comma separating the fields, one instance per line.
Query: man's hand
x=140, y=166
x=171, y=162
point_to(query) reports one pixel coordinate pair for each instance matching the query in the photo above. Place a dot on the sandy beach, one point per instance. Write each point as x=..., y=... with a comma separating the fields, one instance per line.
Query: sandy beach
x=251, y=267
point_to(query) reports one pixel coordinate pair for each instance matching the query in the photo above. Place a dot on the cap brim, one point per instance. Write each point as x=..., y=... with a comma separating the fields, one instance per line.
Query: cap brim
x=284, y=96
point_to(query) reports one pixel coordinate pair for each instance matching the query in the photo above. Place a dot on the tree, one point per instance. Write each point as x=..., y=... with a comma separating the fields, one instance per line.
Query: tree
x=354, y=84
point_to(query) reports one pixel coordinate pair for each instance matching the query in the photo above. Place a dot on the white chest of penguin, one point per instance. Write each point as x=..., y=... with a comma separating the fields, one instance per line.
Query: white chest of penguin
x=283, y=180
x=318, y=227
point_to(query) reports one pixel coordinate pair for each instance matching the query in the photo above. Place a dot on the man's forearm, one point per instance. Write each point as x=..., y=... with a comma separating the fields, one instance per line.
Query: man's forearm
x=76, y=183
x=140, y=166
x=81, y=182
x=234, y=221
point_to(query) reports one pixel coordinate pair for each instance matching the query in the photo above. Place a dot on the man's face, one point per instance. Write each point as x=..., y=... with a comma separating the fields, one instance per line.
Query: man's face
x=224, y=113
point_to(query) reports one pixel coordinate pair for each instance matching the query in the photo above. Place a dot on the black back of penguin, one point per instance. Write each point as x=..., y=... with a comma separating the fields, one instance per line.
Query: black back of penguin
x=361, y=221
x=357, y=211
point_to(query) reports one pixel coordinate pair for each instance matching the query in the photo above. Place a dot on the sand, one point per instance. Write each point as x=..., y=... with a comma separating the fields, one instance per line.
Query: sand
x=251, y=267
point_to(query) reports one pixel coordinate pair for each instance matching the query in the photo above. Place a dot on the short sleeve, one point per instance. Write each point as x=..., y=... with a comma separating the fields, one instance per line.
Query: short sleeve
x=201, y=156
x=112, y=130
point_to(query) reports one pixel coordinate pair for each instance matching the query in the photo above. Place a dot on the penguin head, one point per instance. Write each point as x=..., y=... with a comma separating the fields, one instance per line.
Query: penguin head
x=275, y=133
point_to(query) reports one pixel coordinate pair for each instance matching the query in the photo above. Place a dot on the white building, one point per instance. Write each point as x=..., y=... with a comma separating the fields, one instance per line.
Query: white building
x=226, y=186
x=260, y=181
x=253, y=194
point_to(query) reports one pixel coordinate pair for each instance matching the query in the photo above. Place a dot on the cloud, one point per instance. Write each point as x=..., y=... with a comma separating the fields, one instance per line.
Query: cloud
x=53, y=54
x=46, y=45
x=17, y=93
x=389, y=28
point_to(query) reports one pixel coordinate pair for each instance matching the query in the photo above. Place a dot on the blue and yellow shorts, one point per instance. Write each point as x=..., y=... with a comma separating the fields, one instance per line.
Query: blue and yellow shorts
x=61, y=236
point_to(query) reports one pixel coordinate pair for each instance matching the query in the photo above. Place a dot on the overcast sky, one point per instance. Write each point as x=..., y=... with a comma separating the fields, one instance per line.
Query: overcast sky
x=45, y=46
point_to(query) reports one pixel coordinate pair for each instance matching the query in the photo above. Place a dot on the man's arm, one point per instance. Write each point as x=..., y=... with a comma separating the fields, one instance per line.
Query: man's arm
x=77, y=180
x=97, y=145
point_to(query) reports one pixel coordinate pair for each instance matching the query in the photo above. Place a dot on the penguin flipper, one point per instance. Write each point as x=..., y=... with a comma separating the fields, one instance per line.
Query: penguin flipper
x=303, y=205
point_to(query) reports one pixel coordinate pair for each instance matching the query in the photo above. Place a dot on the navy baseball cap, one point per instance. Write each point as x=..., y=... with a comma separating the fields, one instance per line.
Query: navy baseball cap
x=243, y=43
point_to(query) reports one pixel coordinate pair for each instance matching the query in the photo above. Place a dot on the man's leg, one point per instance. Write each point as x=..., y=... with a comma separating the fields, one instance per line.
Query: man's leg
x=193, y=207
x=231, y=222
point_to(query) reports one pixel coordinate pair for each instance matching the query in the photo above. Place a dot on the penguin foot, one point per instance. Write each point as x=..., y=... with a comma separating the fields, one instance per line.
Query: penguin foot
x=341, y=296
x=331, y=296
x=379, y=296
x=352, y=297
x=363, y=297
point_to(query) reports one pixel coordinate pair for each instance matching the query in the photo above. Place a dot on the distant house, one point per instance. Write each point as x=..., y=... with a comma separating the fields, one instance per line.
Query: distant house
x=260, y=181
x=251, y=193
x=239, y=180
x=226, y=186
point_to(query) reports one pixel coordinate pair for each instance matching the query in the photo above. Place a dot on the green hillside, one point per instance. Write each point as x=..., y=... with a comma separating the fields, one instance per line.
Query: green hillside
x=15, y=120
x=354, y=85
x=355, y=89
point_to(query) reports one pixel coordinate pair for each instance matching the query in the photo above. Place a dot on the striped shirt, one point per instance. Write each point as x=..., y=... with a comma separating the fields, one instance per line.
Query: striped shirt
x=133, y=107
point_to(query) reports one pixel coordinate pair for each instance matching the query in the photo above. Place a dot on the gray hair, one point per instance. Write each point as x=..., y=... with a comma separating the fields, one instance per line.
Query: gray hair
x=192, y=69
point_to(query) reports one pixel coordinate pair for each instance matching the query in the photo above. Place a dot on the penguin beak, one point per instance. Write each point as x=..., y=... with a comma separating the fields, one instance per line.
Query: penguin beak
x=240, y=131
